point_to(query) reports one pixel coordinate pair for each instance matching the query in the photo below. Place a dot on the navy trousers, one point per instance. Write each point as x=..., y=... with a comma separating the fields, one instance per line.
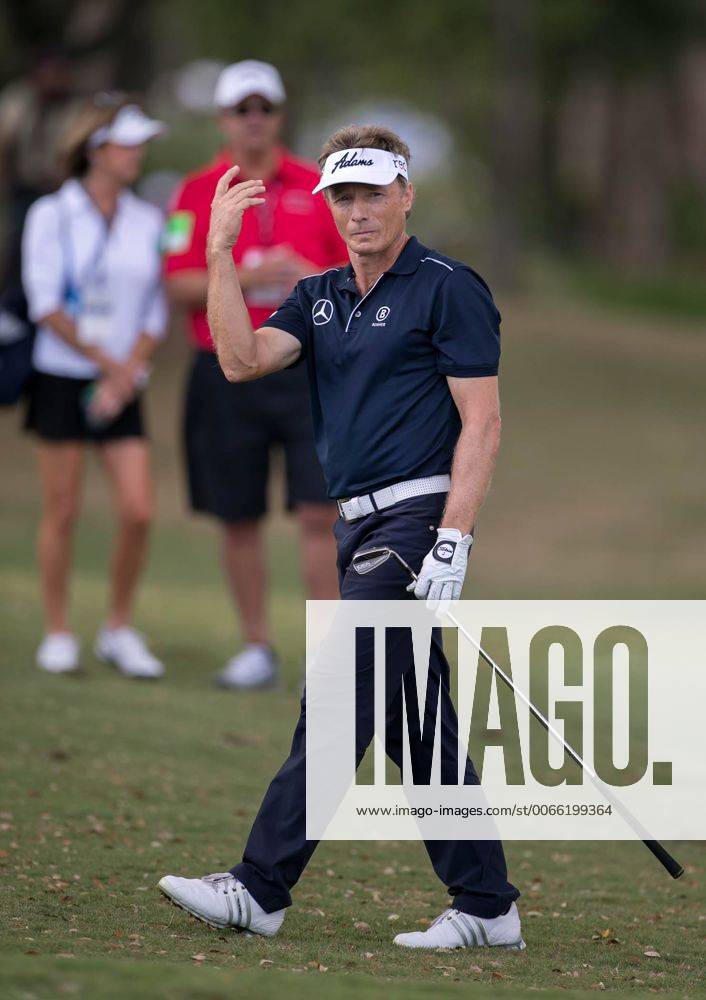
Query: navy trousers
x=277, y=850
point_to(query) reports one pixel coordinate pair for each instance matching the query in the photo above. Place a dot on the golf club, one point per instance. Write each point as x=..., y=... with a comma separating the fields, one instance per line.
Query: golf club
x=369, y=559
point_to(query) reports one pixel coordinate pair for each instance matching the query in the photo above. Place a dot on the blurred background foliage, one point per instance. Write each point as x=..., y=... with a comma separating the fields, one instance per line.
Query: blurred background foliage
x=573, y=132
x=560, y=147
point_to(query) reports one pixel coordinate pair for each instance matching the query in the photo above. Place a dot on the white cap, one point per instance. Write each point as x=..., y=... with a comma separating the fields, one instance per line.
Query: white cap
x=130, y=127
x=243, y=79
x=362, y=166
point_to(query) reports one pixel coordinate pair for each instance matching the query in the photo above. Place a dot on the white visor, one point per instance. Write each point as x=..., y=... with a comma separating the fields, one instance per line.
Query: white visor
x=362, y=166
x=130, y=127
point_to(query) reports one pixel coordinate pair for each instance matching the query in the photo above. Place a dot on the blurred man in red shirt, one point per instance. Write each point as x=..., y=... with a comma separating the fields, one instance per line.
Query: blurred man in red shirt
x=229, y=429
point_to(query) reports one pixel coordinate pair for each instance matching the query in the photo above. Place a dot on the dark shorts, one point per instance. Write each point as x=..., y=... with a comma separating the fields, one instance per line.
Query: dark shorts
x=55, y=412
x=229, y=431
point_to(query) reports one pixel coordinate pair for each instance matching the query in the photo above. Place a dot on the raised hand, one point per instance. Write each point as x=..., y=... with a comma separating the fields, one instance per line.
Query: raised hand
x=228, y=207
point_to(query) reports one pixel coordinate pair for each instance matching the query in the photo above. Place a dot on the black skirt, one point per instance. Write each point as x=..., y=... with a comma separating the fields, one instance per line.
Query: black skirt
x=55, y=412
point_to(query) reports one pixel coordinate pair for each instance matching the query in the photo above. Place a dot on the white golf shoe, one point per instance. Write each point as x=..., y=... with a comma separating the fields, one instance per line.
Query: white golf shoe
x=255, y=667
x=222, y=902
x=58, y=653
x=126, y=650
x=454, y=929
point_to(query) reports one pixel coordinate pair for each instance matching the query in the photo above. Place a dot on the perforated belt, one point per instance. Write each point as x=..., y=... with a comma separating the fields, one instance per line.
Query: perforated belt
x=353, y=508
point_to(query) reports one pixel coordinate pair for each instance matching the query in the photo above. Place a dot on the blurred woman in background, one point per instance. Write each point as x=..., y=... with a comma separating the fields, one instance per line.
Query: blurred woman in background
x=91, y=272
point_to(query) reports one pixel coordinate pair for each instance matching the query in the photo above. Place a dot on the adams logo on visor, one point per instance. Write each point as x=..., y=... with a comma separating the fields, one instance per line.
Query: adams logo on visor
x=362, y=166
x=350, y=160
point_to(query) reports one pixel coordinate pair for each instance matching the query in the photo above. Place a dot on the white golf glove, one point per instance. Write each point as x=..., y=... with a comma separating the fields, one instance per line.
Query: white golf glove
x=444, y=568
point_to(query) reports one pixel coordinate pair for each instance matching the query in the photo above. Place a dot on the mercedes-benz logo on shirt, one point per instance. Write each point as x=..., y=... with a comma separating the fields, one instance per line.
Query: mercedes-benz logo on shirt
x=322, y=311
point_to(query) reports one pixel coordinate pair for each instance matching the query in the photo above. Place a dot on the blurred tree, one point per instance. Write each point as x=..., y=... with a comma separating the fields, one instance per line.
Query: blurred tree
x=500, y=72
x=632, y=49
x=109, y=41
x=568, y=112
x=514, y=129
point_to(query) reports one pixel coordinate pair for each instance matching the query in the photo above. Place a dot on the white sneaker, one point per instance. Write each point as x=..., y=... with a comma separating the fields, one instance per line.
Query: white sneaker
x=221, y=901
x=125, y=649
x=454, y=929
x=255, y=667
x=58, y=653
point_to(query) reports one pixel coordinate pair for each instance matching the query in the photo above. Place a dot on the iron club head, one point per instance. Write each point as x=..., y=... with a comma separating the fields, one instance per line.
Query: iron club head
x=369, y=559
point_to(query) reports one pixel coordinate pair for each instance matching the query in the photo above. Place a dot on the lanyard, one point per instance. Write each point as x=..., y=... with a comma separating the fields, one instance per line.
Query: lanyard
x=95, y=258
x=265, y=214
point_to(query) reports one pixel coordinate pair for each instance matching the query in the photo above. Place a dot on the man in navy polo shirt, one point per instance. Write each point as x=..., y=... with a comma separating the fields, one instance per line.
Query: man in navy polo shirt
x=402, y=349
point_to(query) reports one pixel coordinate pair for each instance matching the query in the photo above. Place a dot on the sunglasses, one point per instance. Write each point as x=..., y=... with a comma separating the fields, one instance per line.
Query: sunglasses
x=253, y=109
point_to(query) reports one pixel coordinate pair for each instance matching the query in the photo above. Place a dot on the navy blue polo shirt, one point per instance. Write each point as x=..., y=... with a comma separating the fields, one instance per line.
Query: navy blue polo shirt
x=377, y=365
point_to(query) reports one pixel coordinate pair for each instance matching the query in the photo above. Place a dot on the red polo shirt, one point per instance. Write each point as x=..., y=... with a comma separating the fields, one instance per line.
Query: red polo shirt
x=290, y=215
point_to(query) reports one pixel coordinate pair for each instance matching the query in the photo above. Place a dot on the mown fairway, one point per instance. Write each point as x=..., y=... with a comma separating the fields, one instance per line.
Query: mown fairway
x=107, y=785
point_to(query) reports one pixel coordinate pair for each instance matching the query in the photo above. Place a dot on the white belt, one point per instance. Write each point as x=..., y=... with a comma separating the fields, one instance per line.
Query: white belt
x=353, y=508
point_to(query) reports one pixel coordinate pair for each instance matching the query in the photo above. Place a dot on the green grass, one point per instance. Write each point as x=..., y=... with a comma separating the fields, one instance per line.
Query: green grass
x=109, y=978
x=107, y=785
x=675, y=295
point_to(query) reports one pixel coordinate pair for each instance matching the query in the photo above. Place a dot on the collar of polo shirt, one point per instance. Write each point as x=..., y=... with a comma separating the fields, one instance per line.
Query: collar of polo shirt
x=413, y=253
x=362, y=166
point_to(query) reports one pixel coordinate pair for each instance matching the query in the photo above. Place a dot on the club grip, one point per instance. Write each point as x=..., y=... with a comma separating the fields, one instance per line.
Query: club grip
x=664, y=858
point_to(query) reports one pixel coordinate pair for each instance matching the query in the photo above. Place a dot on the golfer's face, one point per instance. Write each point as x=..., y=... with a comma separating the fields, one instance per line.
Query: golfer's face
x=370, y=218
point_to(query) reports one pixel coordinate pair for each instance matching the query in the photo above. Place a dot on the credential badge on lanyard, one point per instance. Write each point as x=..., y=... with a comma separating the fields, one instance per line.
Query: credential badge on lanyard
x=88, y=295
x=265, y=296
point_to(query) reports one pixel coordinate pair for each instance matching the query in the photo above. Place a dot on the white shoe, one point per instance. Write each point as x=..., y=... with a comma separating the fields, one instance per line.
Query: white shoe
x=221, y=901
x=255, y=667
x=454, y=929
x=125, y=649
x=58, y=653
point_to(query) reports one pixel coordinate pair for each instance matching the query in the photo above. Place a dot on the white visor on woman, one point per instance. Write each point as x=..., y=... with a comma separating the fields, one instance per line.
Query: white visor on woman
x=362, y=166
x=130, y=127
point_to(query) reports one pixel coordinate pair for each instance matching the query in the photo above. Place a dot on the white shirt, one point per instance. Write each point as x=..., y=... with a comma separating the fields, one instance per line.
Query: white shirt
x=64, y=237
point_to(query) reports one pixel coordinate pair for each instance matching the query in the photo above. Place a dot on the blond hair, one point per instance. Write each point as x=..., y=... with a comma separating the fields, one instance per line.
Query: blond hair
x=74, y=144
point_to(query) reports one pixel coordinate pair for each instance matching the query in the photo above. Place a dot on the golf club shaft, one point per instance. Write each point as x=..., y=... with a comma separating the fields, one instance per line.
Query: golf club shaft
x=662, y=855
